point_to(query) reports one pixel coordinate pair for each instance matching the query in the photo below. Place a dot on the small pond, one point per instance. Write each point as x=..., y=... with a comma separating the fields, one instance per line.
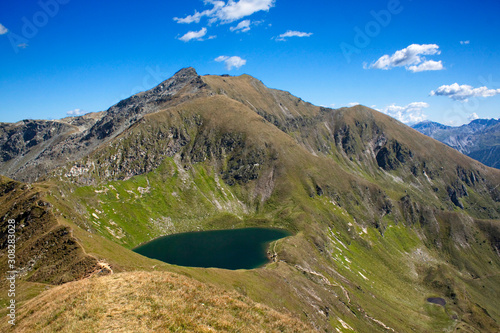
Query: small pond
x=437, y=300
x=229, y=249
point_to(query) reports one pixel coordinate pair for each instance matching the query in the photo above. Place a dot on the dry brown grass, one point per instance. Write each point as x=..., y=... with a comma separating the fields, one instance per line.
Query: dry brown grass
x=256, y=96
x=148, y=302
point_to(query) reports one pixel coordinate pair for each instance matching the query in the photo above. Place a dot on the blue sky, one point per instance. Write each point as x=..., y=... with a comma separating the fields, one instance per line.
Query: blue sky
x=414, y=60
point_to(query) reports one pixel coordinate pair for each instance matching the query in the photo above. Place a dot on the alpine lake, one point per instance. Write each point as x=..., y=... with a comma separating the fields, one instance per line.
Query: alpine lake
x=228, y=249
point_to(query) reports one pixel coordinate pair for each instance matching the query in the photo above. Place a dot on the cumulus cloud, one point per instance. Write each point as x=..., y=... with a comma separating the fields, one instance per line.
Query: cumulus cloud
x=463, y=92
x=228, y=12
x=465, y=42
x=352, y=104
x=409, y=114
x=231, y=62
x=291, y=33
x=197, y=35
x=76, y=112
x=3, y=29
x=412, y=58
x=429, y=65
x=473, y=116
x=243, y=26
x=233, y=11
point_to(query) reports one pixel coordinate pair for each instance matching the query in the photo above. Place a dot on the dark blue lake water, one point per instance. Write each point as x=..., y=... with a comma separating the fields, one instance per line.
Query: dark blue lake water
x=229, y=249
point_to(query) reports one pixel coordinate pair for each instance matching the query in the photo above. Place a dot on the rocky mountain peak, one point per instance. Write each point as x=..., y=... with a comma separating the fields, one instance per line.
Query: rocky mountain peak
x=186, y=72
x=82, y=135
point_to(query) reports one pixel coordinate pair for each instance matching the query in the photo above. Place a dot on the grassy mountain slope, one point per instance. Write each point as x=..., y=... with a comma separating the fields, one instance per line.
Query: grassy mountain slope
x=149, y=302
x=46, y=251
x=380, y=223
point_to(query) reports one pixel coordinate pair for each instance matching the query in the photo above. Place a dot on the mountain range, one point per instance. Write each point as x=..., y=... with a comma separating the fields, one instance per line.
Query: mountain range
x=385, y=220
x=480, y=139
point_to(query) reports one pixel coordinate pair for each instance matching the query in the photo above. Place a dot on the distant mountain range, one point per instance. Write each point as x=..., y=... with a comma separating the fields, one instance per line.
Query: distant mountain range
x=479, y=139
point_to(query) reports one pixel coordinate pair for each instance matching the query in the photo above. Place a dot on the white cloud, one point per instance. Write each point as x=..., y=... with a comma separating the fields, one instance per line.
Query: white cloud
x=76, y=112
x=465, y=42
x=411, y=58
x=191, y=18
x=198, y=15
x=228, y=12
x=291, y=33
x=429, y=65
x=3, y=29
x=473, y=116
x=463, y=92
x=231, y=62
x=409, y=114
x=352, y=104
x=198, y=35
x=236, y=10
x=243, y=26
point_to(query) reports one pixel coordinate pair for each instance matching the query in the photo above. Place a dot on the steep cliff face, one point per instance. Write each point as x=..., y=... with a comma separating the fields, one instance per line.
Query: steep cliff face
x=384, y=216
